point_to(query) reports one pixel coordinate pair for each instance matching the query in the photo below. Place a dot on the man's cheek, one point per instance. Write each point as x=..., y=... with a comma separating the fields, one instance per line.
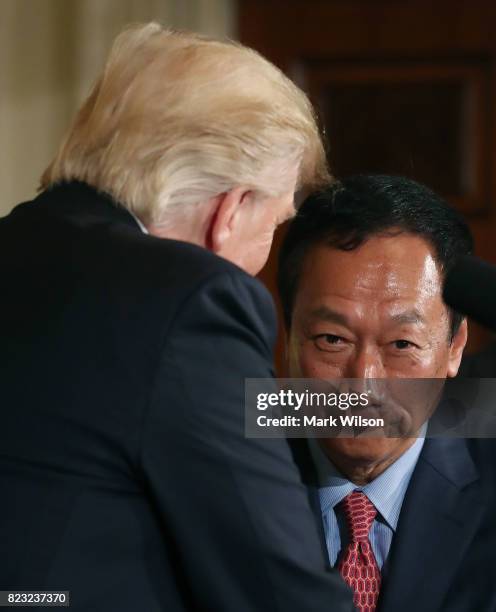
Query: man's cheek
x=315, y=364
x=429, y=364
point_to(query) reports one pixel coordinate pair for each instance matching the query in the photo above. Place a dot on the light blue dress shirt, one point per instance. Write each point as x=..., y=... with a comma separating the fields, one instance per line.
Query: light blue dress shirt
x=386, y=492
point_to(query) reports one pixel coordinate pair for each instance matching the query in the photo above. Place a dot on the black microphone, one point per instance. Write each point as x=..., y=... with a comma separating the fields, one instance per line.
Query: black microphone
x=470, y=289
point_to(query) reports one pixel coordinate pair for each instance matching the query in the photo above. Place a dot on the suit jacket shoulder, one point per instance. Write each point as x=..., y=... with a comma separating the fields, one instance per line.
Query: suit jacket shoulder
x=123, y=458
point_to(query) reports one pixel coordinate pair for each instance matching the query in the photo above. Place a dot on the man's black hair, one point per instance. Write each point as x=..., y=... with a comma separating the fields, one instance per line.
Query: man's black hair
x=352, y=210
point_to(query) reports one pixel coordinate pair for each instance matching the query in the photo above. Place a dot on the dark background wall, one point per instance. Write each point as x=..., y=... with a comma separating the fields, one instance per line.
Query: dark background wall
x=401, y=87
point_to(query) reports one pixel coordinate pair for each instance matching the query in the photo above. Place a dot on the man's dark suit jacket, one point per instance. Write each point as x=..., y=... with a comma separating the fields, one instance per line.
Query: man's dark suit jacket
x=125, y=474
x=442, y=557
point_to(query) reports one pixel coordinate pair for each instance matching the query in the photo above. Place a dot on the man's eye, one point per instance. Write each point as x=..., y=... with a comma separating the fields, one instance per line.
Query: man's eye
x=327, y=342
x=403, y=344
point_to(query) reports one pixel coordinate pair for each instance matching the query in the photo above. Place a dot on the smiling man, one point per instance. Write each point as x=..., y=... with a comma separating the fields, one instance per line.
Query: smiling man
x=407, y=521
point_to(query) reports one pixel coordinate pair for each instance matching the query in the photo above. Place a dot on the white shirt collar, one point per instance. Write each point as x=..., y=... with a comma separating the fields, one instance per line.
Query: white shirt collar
x=386, y=492
x=139, y=222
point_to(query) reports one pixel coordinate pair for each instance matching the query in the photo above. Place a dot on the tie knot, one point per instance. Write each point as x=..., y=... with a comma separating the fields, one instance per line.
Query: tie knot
x=360, y=513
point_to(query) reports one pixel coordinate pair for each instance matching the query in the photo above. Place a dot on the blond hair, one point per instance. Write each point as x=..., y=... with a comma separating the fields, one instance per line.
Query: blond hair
x=176, y=118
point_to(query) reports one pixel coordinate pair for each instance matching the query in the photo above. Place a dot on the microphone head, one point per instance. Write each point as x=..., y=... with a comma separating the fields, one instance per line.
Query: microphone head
x=470, y=289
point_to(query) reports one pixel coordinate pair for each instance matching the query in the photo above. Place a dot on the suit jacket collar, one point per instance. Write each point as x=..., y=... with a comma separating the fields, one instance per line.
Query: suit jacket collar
x=83, y=205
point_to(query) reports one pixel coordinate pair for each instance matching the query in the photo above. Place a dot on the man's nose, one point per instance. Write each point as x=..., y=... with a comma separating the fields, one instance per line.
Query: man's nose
x=366, y=363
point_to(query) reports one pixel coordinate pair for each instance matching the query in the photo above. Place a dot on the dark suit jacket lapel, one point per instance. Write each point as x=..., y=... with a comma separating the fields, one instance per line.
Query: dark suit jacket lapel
x=303, y=459
x=440, y=515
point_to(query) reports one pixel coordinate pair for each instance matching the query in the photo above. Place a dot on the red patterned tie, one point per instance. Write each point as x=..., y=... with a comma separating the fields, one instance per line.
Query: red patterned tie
x=357, y=564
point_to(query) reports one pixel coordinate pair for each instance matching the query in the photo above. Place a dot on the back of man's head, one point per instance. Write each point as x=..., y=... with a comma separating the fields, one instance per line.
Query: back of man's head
x=176, y=118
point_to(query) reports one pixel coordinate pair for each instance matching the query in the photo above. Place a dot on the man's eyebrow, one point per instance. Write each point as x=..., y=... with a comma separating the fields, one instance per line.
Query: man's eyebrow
x=408, y=317
x=327, y=314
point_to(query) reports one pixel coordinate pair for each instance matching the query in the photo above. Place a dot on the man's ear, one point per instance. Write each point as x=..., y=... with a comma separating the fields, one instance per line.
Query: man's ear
x=223, y=220
x=458, y=343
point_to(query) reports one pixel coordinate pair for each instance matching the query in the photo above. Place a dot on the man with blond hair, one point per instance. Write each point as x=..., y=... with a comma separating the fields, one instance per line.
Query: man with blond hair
x=130, y=321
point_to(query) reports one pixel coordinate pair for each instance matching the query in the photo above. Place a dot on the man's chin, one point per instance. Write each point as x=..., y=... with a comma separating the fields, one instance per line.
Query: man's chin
x=361, y=450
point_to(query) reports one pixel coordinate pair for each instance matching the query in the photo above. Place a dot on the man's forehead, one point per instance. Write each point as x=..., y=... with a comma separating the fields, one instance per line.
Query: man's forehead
x=382, y=263
x=397, y=284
